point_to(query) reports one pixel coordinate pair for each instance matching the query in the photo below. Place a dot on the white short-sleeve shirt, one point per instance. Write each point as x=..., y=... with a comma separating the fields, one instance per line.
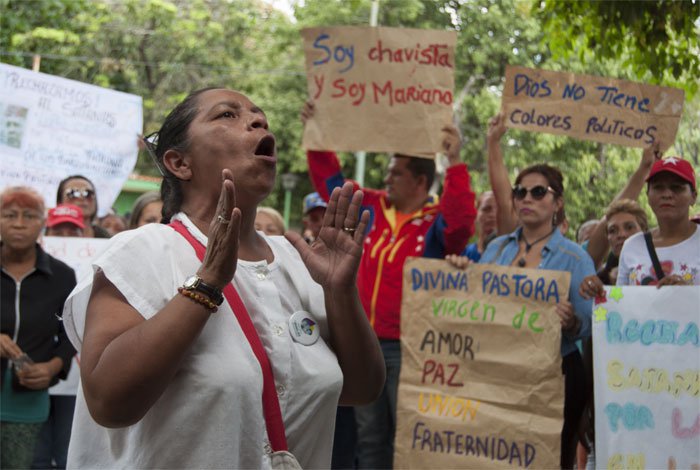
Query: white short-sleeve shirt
x=637, y=269
x=211, y=415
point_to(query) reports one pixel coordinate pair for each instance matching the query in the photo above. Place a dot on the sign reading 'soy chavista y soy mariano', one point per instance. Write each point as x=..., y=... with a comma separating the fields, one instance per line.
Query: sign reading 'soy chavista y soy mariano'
x=379, y=89
x=591, y=108
x=481, y=383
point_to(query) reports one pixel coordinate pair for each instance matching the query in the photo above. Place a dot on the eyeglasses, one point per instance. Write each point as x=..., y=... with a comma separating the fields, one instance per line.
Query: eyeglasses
x=151, y=143
x=537, y=192
x=73, y=193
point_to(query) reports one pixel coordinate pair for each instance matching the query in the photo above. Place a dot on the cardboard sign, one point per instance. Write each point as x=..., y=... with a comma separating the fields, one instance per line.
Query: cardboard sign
x=591, y=108
x=379, y=89
x=52, y=127
x=481, y=383
x=646, y=354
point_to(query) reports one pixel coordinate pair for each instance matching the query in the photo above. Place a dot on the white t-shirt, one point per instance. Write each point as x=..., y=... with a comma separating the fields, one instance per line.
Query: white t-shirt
x=211, y=415
x=636, y=268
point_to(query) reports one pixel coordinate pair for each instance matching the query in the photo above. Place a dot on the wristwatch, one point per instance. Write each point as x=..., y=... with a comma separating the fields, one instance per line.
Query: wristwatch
x=195, y=283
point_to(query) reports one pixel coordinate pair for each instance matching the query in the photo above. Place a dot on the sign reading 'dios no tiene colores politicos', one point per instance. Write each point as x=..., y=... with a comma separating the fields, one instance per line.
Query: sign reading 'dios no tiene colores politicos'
x=591, y=108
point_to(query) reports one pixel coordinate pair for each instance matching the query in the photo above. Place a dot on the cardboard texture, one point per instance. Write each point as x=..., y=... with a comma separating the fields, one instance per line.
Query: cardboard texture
x=591, y=108
x=481, y=383
x=379, y=89
x=647, y=377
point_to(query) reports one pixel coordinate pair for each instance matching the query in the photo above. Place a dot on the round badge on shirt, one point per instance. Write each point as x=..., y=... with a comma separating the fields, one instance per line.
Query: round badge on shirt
x=303, y=328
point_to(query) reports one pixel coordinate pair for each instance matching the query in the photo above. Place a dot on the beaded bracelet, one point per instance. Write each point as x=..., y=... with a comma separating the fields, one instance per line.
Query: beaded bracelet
x=200, y=299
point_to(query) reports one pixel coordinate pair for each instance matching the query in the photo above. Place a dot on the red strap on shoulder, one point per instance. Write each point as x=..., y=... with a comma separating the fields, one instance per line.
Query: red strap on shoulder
x=271, y=404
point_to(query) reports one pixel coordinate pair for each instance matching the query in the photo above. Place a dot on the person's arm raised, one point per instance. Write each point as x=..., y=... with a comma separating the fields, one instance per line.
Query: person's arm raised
x=457, y=201
x=598, y=245
x=332, y=261
x=127, y=362
x=498, y=176
x=324, y=167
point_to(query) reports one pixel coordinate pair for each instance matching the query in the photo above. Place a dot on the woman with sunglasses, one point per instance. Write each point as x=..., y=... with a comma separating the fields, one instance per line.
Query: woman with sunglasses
x=538, y=244
x=170, y=382
x=80, y=191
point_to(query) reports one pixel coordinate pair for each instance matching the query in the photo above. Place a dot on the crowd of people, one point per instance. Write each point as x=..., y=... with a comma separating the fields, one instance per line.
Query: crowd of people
x=37, y=415
x=251, y=345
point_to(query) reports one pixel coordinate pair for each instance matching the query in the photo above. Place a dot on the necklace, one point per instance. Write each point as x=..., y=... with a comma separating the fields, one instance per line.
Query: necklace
x=528, y=246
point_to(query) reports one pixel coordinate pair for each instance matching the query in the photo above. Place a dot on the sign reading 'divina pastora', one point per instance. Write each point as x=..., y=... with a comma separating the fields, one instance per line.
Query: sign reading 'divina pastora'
x=481, y=383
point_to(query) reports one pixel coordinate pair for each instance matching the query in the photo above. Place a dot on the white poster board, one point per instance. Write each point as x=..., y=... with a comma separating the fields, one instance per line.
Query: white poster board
x=52, y=127
x=77, y=253
x=647, y=378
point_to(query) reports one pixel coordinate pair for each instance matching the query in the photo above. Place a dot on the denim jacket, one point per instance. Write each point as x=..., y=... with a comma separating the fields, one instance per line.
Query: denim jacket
x=559, y=254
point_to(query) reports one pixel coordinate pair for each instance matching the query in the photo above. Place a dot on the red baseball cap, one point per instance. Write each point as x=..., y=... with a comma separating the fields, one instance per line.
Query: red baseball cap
x=63, y=213
x=675, y=165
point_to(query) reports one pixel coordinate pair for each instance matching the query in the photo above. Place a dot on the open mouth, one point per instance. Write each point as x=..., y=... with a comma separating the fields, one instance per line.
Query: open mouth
x=266, y=147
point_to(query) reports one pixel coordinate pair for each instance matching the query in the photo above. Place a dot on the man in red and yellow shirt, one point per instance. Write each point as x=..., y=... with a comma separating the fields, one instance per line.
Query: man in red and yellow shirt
x=406, y=221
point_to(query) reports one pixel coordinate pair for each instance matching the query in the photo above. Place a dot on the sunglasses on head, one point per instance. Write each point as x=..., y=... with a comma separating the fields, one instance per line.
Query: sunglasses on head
x=537, y=192
x=73, y=193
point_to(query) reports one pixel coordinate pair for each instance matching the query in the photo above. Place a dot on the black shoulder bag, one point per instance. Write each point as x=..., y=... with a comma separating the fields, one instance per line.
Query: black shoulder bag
x=652, y=254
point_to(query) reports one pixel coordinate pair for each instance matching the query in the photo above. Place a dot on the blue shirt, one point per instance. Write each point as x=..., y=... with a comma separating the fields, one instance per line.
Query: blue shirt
x=472, y=252
x=559, y=254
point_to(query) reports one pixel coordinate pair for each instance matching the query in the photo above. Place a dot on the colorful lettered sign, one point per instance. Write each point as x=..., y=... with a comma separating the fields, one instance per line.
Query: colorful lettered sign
x=646, y=354
x=481, y=383
x=379, y=89
x=52, y=127
x=591, y=108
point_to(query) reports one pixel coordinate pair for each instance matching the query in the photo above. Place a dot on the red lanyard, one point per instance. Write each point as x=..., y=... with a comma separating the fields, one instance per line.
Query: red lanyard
x=271, y=404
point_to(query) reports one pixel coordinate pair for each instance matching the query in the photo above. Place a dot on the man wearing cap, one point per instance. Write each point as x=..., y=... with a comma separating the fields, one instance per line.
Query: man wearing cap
x=314, y=208
x=406, y=220
x=65, y=220
x=672, y=192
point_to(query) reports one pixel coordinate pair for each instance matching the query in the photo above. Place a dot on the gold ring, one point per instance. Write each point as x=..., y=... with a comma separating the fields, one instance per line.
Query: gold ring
x=349, y=230
x=223, y=220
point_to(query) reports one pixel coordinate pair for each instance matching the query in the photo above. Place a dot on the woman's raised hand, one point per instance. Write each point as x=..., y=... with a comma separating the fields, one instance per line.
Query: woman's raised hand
x=220, y=260
x=497, y=127
x=334, y=257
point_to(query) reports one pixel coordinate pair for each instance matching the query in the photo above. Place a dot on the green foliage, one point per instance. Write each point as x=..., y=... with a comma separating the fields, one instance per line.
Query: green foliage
x=657, y=41
x=163, y=49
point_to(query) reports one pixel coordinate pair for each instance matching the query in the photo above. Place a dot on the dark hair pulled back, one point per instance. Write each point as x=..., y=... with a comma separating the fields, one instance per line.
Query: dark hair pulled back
x=174, y=135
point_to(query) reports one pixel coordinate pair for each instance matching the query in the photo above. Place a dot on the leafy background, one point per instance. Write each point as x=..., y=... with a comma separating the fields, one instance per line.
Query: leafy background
x=162, y=49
